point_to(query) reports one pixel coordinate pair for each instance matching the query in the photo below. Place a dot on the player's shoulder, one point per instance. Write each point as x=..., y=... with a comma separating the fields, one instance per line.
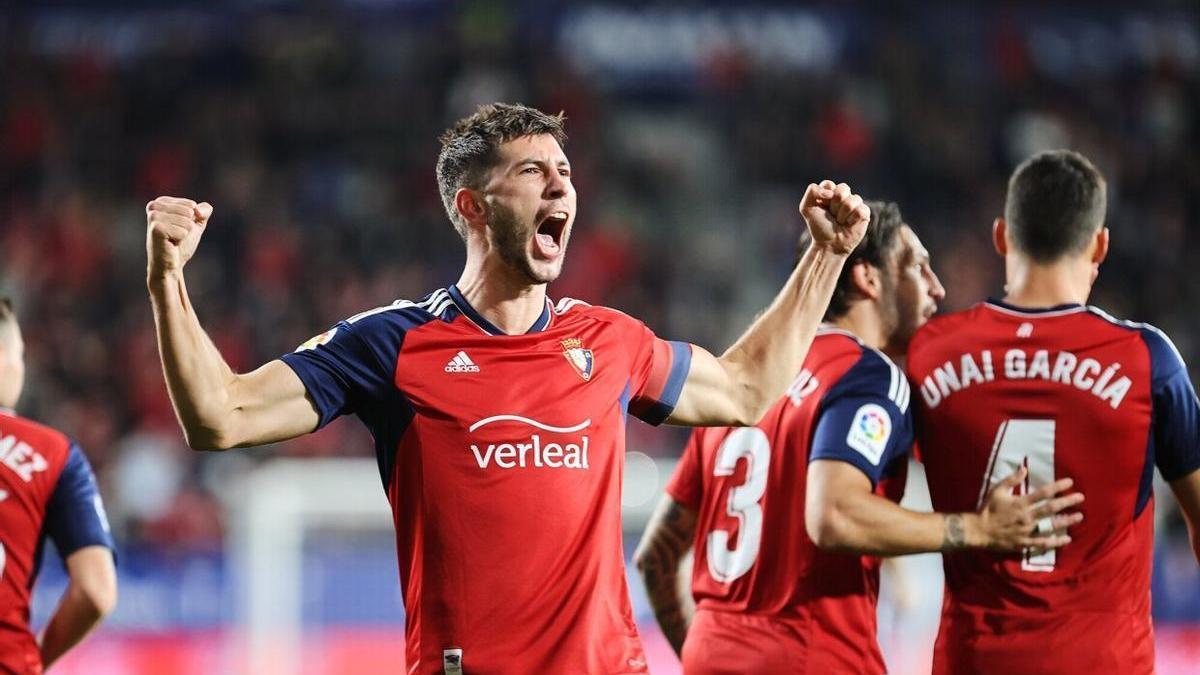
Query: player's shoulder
x=574, y=308
x=396, y=319
x=36, y=434
x=407, y=314
x=870, y=374
x=1163, y=351
x=387, y=325
x=944, y=325
x=570, y=310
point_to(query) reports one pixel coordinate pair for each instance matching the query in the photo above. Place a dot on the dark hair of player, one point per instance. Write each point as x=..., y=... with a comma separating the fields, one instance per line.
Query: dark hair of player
x=1055, y=204
x=469, y=147
x=875, y=249
x=6, y=310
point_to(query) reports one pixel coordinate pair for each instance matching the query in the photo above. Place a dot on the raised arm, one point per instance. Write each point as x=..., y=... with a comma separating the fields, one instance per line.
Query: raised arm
x=738, y=387
x=217, y=408
x=658, y=558
x=842, y=513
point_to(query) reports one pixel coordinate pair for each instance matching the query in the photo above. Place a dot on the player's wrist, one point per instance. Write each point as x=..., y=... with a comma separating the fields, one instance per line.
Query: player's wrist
x=832, y=249
x=978, y=531
x=159, y=280
x=963, y=530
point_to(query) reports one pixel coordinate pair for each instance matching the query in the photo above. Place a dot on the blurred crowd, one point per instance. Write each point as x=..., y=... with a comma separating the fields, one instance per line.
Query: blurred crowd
x=313, y=133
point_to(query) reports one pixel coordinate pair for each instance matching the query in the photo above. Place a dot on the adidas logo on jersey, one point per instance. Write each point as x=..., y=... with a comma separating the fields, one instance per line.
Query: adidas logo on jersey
x=461, y=363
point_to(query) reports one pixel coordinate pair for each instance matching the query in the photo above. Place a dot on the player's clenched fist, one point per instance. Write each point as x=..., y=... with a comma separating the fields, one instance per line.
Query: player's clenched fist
x=173, y=230
x=837, y=218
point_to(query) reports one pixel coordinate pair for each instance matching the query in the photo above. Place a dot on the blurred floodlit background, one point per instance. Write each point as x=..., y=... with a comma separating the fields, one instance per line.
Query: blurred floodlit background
x=311, y=126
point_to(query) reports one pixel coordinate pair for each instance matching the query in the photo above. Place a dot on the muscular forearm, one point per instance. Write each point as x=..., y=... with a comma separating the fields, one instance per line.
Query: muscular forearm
x=658, y=558
x=198, y=379
x=668, y=603
x=75, y=617
x=90, y=596
x=766, y=358
x=870, y=524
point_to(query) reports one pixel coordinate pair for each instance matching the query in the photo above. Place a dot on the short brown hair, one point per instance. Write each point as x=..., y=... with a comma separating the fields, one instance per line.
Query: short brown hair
x=1055, y=204
x=469, y=147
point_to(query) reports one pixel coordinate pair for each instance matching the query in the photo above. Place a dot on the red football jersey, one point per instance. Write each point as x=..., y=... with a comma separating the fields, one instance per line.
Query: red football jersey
x=1066, y=392
x=47, y=490
x=502, y=458
x=767, y=600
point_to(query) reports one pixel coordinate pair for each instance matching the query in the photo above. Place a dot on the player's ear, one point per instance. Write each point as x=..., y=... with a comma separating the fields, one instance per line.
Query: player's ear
x=1100, y=250
x=1000, y=236
x=470, y=207
x=866, y=280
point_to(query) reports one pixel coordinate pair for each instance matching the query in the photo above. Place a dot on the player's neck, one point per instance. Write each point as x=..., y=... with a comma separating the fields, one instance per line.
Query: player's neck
x=509, y=303
x=1036, y=286
x=863, y=321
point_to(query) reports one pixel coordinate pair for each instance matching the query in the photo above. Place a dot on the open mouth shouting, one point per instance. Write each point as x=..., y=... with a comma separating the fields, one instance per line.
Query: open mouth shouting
x=550, y=236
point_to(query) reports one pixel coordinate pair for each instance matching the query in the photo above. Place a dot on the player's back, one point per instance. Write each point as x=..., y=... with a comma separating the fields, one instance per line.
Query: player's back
x=1067, y=392
x=31, y=458
x=767, y=599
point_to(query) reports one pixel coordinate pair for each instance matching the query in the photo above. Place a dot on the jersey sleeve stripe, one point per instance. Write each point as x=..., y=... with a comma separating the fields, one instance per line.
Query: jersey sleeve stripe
x=441, y=307
x=566, y=304
x=435, y=304
x=664, y=401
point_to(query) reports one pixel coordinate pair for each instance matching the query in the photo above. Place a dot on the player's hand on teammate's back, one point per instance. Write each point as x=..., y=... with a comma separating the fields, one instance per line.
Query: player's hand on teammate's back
x=837, y=218
x=1012, y=522
x=173, y=229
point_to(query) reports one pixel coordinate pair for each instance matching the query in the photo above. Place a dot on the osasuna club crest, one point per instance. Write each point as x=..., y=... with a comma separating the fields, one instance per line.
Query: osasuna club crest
x=580, y=359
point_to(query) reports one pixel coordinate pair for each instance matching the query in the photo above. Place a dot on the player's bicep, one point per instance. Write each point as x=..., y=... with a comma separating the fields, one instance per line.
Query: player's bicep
x=93, y=570
x=829, y=482
x=272, y=404
x=709, y=395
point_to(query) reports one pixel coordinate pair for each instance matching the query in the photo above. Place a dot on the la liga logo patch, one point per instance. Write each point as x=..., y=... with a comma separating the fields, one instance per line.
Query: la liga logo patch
x=870, y=431
x=582, y=360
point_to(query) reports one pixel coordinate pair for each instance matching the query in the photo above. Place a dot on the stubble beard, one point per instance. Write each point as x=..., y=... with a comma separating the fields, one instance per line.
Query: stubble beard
x=895, y=314
x=909, y=319
x=509, y=240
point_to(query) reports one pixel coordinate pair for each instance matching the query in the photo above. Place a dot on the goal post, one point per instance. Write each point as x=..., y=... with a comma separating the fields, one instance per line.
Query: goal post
x=271, y=513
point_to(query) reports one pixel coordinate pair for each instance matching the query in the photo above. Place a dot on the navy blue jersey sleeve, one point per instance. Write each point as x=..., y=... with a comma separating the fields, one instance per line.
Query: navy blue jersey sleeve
x=351, y=368
x=1176, y=410
x=75, y=515
x=865, y=418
